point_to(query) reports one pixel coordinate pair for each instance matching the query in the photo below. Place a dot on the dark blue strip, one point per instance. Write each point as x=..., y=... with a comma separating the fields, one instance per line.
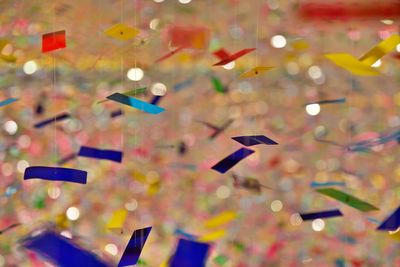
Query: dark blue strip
x=61, y=251
x=322, y=214
x=134, y=248
x=91, y=152
x=224, y=165
x=155, y=99
x=252, y=140
x=391, y=223
x=190, y=253
x=57, y=118
x=116, y=113
x=55, y=174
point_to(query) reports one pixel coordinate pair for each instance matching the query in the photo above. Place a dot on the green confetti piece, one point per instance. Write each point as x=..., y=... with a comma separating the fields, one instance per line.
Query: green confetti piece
x=39, y=202
x=141, y=263
x=220, y=260
x=239, y=246
x=347, y=199
x=217, y=85
x=135, y=92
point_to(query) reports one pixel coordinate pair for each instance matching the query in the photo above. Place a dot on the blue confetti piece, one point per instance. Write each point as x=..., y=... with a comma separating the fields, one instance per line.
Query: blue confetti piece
x=252, y=140
x=183, y=85
x=91, y=152
x=190, y=253
x=392, y=223
x=185, y=234
x=321, y=214
x=116, y=113
x=57, y=118
x=224, y=165
x=55, y=174
x=61, y=251
x=155, y=99
x=327, y=184
x=136, y=103
x=134, y=248
x=8, y=101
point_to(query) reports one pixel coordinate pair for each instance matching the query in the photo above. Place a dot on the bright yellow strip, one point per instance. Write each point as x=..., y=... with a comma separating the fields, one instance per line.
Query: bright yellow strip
x=220, y=219
x=121, y=32
x=255, y=72
x=117, y=220
x=380, y=50
x=212, y=236
x=350, y=63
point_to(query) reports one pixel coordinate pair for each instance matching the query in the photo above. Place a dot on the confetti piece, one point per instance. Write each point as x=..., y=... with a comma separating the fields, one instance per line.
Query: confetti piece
x=170, y=54
x=91, y=152
x=321, y=214
x=117, y=220
x=190, y=253
x=185, y=234
x=55, y=174
x=233, y=57
x=221, y=54
x=121, y=32
x=347, y=199
x=323, y=102
x=155, y=99
x=53, y=41
x=182, y=85
x=189, y=36
x=220, y=260
x=116, y=113
x=370, y=143
x=218, y=86
x=214, y=236
x=345, y=11
x=252, y=140
x=136, y=103
x=57, y=118
x=8, y=101
x=134, y=248
x=133, y=92
x=61, y=251
x=381, y=49
x=391, y=223
x=248, y=183
x=2, y=231
x=327, y=184
x=255, y=72
x=217, y=130
x=350, y=63
x=224, y=165
x=221, y=219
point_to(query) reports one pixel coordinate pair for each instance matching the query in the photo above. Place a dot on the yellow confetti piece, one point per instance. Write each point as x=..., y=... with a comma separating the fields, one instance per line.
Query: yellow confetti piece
x=380, y=50
x=300, y=45
x=220, y=219
x=122, y=32
x=117, y=219
x=350, y=63
x=395, y=234
x=255, y=72
x=164, y=264
x=212, y=236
